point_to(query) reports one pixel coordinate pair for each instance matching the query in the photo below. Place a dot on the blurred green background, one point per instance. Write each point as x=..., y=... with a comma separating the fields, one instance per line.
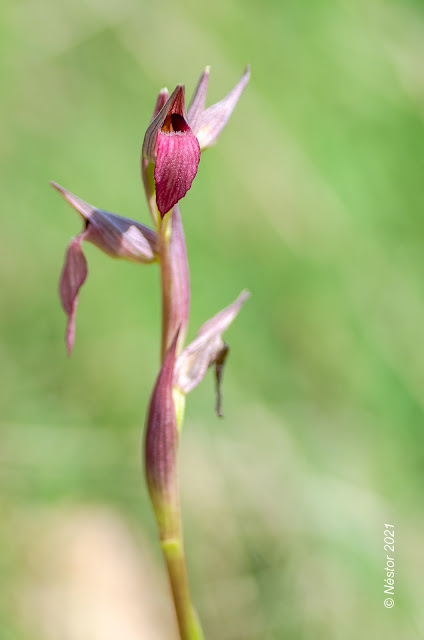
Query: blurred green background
x=312, y=199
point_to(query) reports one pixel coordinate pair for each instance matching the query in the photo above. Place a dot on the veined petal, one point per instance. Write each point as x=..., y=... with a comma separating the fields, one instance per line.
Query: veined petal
x=122, y=237
x=197, y=104
x=208, y=127
x=178, y=156
x=172, y=146
x=74, y=274
x=117, y=236
x=206, y=349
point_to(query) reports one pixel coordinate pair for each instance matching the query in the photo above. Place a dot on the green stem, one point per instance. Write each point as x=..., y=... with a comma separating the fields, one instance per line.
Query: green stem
x=175, y=316
x=188, y=623
x=175, y=289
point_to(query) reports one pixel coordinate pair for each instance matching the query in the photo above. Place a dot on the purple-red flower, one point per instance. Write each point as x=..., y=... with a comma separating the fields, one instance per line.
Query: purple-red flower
x=171, y=144
x=117, y=236
x=175, y=139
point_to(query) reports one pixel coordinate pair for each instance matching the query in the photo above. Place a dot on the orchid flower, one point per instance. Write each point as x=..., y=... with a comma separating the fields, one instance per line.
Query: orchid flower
x=117, y=236
x=171, y=144
x=175, y=138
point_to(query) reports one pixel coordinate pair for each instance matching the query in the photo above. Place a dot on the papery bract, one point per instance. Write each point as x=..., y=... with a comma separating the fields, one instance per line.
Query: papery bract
x=206, y=349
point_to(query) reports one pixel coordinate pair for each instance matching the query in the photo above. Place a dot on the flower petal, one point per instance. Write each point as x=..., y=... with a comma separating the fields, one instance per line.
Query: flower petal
x=178, y=156
x=171, y=145
x=214, y=119
x=74, y=274
x=197, y=104
x=117, y=236
x=206, y=349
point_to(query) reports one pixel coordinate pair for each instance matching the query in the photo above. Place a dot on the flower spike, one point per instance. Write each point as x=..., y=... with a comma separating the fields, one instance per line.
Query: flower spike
x=171, y=145
x=169, y=162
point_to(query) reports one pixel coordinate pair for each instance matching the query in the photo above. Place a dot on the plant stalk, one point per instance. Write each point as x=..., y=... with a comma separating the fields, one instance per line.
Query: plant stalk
x=175, y=293
x=188, y=623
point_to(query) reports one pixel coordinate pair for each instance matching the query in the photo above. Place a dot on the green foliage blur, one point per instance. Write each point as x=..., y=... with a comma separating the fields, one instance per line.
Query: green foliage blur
x=312, y=199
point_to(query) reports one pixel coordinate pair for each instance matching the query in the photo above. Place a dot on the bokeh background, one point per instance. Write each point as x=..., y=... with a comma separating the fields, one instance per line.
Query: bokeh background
x=312, y=199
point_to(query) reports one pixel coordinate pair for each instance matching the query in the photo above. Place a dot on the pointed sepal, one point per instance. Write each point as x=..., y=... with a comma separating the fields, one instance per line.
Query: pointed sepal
x=115, y=235
x=210, y=123
x=198, y=101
